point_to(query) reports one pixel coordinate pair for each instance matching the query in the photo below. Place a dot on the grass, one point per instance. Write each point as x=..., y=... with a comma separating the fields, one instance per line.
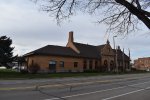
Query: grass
x=11, y=74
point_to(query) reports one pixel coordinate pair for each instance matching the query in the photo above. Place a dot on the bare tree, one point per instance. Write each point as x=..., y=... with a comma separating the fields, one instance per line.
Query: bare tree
x=121, y=16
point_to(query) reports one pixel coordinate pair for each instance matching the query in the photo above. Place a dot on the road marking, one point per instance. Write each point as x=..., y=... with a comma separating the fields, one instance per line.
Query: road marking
x=17, y=88
x=56, y=85
x=76, y=84
x=84, y=83
x=76, y=95
x=69, y=84
x=126, y=93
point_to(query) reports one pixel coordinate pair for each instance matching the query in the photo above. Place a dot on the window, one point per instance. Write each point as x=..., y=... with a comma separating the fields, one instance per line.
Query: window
x=61, y=63
x=52, y=62
x=52, y=65
x=90, y=64
x=75, y=64
x=84, y=64
x=105, y=63
x=111, y=63
x=32, y=62
x=96, y=64
x=119, y=63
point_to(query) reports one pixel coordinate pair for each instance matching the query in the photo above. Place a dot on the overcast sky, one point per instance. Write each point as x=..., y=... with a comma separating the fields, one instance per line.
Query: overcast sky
x=30, y=29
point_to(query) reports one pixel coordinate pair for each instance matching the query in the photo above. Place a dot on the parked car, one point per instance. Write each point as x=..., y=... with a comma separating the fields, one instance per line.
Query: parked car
x=3, y=67
x=16, y=68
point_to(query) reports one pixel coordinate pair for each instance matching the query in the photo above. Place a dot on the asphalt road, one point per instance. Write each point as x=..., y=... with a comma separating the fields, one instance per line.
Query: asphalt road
x=116, y=87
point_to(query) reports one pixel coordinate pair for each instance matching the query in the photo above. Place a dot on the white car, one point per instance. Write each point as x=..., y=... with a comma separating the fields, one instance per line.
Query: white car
x=3, y=67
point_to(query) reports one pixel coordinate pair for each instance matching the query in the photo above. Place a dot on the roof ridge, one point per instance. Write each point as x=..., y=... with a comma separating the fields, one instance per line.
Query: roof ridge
x=55, y=45
x=101, y=45
x=34, y=51
x=84, y=44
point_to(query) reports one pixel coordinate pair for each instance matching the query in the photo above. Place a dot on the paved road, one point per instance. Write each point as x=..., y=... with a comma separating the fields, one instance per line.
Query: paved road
x=117, y=87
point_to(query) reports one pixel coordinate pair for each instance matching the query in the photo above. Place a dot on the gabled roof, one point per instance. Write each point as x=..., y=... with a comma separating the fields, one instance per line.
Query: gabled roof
x=53, y=50
x=88, y=51
x=120, y=55
x=100, y=46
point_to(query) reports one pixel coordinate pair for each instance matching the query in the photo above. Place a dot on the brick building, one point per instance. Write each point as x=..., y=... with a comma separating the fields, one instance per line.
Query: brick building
x=142, y=63
x=77, y=57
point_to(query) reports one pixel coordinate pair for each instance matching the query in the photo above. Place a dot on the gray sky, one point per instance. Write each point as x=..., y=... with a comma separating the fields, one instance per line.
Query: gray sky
x=31, y=29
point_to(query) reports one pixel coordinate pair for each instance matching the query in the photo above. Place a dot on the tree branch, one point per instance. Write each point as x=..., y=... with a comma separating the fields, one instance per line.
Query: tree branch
x=141, y=16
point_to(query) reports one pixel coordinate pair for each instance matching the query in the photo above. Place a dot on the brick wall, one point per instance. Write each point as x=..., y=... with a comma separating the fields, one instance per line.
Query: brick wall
x=142, y=63
x=43, y=62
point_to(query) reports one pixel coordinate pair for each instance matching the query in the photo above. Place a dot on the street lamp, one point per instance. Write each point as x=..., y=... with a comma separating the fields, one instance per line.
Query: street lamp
x=114, y=40
x=115, y=57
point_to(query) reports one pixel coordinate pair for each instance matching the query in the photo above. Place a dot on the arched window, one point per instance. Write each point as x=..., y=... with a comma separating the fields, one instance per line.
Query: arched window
x=111, y=63
x=96, y=64
x=90, y=64
x=84, y=64
x=105, y=63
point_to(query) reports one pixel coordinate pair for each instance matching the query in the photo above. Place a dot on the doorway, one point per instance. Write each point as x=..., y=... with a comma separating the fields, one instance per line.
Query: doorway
x=52, y=66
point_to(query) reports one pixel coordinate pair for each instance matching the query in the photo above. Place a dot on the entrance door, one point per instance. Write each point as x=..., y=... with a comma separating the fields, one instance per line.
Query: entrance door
x=52, y=66
x=112, y=68
x=106, y=66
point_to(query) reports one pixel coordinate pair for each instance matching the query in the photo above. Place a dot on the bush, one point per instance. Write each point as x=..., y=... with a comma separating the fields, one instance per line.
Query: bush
x=34, y=68
x=91, y=71
x=24, y=71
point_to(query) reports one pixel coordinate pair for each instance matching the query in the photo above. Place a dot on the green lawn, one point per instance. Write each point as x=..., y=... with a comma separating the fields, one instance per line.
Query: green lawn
x=11, y=74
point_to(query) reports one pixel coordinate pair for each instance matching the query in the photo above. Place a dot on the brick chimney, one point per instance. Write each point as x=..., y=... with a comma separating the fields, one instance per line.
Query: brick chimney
x=70, y=39
x=71, y=43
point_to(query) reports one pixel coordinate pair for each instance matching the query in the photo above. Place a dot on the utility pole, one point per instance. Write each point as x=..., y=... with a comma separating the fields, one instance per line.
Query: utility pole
x=115, y=56
x=116, y=61
x=129, y=60
x=114, y=40
x=123, y=60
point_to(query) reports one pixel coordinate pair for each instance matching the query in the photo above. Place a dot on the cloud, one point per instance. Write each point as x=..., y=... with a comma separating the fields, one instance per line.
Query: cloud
x=30, y=29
